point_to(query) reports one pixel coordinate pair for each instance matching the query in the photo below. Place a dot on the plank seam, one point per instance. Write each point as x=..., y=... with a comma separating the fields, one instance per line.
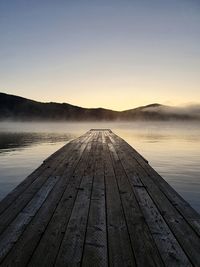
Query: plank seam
x=58, y=204
x=54, y=264
x=106, y=207
x=121, y=202
x=173, y=232
x=43, y=169
x=85, y=234
x=184, y=218
x=40, y=206
x=137, y=203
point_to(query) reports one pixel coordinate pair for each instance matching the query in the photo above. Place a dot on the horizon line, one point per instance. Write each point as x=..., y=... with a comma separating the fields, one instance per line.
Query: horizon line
x=101, y=107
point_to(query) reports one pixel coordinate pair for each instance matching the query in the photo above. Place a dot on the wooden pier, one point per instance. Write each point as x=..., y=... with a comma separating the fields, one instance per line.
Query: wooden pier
x=97, y=202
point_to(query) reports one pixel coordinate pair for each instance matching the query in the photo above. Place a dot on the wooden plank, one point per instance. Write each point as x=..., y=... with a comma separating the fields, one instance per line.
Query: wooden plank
x=23, y=249
x=14, y=230
x=21, y=201
x=190, y=215
x=176, y=222
x=170, y=250
x=183, y=207
x=31, y=178
x=70, y=252
x=144, y=247
x=95, y=248
x=54, y=232
x=119, y=244
x=101, y=130
x=99, y=204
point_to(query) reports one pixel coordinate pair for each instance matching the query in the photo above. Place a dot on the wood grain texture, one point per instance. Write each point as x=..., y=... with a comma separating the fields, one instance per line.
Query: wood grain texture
x=119, y=243
x=177, y=224
x=95, y=249
x=145, y=250
x=97, y=202
x=49, y=212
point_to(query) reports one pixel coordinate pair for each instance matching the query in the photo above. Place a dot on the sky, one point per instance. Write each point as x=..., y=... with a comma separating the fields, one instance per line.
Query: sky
x=111, y=54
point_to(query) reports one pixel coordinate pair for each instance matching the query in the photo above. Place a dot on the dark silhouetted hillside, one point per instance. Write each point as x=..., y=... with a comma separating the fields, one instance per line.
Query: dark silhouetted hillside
x=19, y=108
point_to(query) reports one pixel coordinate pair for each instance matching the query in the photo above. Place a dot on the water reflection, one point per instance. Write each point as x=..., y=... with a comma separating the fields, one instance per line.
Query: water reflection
x=173, y=149
x=22, y=152
x=13, y=141
x=174, y=152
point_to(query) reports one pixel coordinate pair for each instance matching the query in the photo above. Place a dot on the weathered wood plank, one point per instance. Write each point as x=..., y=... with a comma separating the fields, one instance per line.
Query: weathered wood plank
x=20, y=202
x=119, y=244
x=14, y=230
x=96, y=202
x=70, y=251
x=56, y=229
x=144, y=247
x=23, y=249
x=178, y=225
x=95, y=248
x=31, y=178
x=192, y=216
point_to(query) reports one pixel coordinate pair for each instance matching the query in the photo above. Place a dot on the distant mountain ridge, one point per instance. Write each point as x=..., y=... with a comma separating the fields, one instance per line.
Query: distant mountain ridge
x=18, y=108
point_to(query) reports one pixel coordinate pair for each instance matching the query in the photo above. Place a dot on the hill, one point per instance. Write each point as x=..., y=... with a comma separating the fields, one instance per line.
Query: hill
x=18, y=108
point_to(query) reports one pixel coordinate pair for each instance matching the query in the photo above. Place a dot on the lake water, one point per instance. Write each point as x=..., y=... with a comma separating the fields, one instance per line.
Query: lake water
x=173, y=149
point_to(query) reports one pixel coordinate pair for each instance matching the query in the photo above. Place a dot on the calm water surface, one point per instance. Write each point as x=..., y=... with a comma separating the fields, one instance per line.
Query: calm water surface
x=173, y=149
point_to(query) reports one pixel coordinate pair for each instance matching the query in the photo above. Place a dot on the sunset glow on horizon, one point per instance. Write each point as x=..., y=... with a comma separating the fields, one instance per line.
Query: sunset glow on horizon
x=110, y=54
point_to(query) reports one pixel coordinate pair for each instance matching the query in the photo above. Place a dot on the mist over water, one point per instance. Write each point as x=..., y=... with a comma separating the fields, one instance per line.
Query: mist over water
x=173, y=149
